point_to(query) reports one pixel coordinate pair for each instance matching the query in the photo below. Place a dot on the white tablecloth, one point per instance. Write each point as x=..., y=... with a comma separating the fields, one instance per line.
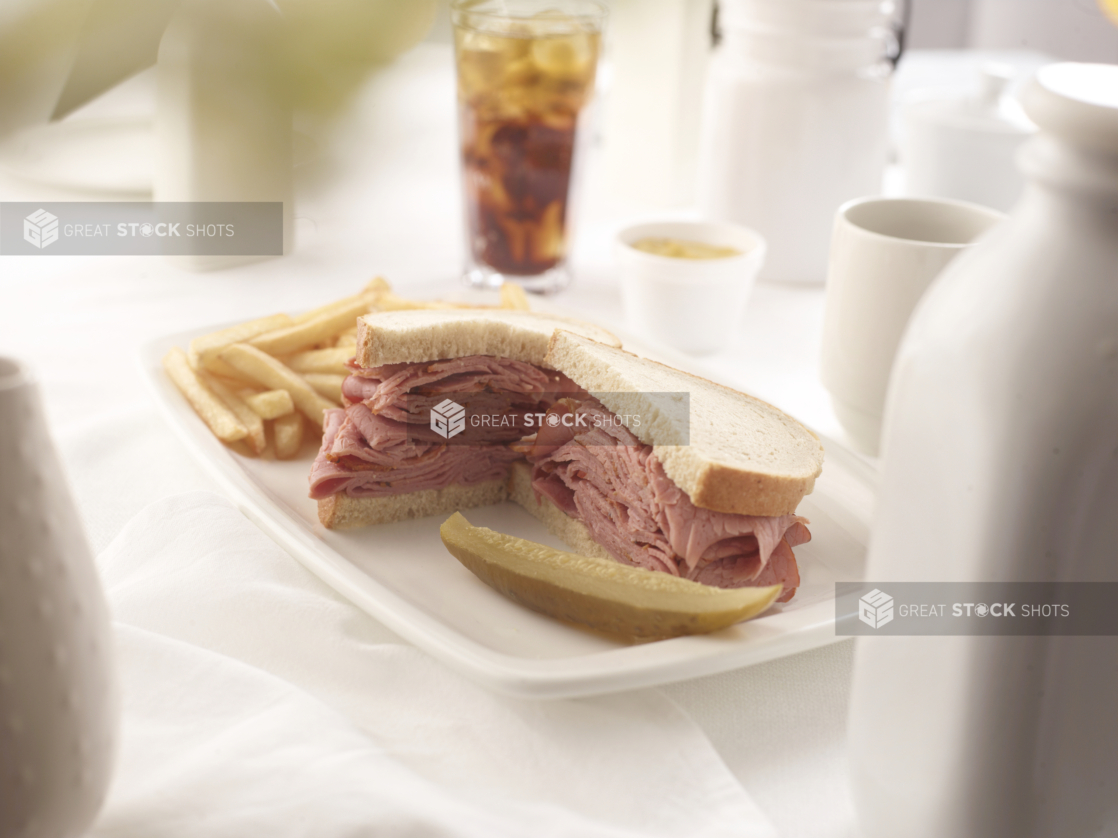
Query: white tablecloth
x=259, y=702
x=384, y=201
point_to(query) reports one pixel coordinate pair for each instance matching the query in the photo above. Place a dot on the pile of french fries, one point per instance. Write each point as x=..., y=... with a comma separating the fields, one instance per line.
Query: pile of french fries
x=275, y=376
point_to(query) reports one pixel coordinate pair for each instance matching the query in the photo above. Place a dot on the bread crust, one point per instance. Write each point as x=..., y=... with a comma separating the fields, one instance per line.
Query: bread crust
x=728, y=451
x=727, y=489
x=393, y=337
x=340, y=511
x=570, y=531
x=734, y=454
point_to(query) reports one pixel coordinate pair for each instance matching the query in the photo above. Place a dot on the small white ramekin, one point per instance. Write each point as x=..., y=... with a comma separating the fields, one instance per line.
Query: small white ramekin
x=691, y=304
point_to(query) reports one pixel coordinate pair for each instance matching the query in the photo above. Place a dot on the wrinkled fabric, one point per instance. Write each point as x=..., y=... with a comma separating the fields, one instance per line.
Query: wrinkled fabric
x=258, y=702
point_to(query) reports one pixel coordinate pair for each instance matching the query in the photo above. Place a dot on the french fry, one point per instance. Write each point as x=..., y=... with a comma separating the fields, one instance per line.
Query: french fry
x=394, y=302
x=208, y=346
x=314, y=331
x=320, y=360
x=384, y=298
x=347, y=338
x=273, y=375
x=326, y=384
x=215, y=365
x=235, y=383
x=370, y=292
x=209, y=407
x=329, y=308
x=271, y=404
x=513, y=297
x=245, y=414
x=288, y=434
x=377, y=286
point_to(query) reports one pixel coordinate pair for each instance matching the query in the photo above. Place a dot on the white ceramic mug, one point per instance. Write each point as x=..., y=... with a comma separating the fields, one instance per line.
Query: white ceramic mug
x=692, y=304
x=885, y=252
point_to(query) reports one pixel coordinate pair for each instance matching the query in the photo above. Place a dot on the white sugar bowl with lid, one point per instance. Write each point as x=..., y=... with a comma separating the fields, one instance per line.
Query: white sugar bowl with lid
x=966, y=147
x=686, y=283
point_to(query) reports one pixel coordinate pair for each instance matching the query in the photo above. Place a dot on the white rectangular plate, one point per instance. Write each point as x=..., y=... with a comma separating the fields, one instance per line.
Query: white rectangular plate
x=402, y=575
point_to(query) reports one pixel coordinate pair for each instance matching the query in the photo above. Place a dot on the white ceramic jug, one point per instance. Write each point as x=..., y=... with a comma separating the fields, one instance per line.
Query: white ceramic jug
x=1000, y=463
x=58, y=704
x=795, y=122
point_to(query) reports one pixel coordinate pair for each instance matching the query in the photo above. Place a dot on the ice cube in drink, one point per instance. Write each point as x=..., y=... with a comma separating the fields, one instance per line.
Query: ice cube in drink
x=522, y=85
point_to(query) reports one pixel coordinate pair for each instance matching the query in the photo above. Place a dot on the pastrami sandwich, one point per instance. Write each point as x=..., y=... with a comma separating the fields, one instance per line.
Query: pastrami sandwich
x=382, y=461
x=620, y=457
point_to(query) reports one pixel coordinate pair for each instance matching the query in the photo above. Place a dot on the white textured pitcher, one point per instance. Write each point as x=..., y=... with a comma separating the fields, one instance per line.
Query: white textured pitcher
x=1000, y=464
x=58, y=704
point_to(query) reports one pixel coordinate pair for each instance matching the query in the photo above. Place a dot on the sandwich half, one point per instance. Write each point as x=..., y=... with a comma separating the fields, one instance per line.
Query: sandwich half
x=381, y=459
x=620, y=457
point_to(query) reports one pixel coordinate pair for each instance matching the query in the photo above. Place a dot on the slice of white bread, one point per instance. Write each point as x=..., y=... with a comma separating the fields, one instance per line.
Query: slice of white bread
x=394, y=337
x=570, y=531
x=339, y=512
x=728, y=451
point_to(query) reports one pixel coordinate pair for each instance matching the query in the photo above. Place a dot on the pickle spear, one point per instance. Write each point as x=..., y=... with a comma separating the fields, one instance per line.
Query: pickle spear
x=599, y=593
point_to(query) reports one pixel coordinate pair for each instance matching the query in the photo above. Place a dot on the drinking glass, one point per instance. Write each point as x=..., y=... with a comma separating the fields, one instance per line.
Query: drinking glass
x=525, y=77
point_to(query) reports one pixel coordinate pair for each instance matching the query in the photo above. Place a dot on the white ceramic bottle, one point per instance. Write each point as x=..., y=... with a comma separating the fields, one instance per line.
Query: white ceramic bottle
x=795, y=122
x=58, y=704
x=1000, y=463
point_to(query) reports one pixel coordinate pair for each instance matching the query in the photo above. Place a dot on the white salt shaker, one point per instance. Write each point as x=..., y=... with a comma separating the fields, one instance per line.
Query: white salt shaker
x=795, y=122
x=999, y=464
x=58, y=697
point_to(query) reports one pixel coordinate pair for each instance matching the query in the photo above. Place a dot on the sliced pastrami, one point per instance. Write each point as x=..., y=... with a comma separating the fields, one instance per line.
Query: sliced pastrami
x=347, y=463
x=380, y=443
x=601, y=474
x=593, y=469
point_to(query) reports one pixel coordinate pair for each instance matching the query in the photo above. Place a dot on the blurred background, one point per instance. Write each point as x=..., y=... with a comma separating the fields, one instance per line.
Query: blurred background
x=373, y=157
x=1069, y=30
x=346, y=111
